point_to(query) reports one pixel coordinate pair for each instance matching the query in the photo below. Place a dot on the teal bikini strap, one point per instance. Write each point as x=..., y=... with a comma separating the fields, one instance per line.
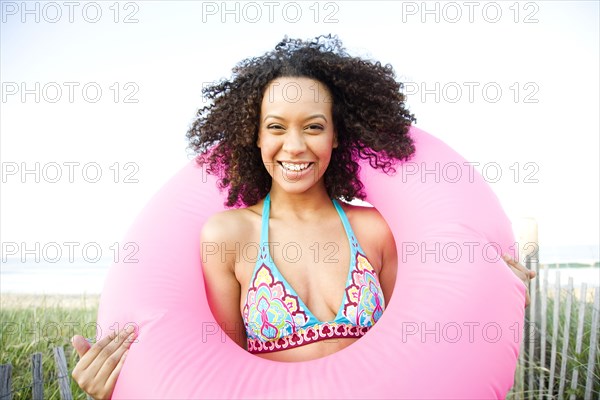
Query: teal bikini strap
x=264, y=231
x=346, y=223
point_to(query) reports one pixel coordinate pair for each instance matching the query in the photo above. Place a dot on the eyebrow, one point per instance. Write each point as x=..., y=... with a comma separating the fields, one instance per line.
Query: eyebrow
x=306, y=119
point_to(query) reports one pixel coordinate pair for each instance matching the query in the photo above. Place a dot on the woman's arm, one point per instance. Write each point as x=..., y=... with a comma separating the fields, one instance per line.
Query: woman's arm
x=389, y=261
x=378, y=241
x=220, y=233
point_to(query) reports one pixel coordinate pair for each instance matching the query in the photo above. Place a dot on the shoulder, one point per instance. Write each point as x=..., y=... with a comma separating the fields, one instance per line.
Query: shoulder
x=363, y=217
x=377, y=240
x=221, y=237
x=229, y=225
x=372, y=232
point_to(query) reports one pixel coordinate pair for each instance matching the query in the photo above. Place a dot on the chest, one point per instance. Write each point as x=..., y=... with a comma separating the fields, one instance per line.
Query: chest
x=313, y=259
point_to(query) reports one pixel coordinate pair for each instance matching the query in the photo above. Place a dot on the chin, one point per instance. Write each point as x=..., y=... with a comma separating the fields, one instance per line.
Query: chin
x=299, y=187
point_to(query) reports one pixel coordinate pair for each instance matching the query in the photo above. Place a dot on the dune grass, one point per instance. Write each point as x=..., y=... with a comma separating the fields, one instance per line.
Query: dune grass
x=33, y=324
x=574, y=360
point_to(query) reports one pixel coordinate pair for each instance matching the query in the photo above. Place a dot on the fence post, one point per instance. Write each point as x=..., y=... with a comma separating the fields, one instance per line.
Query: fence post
x=544, y=323
x=64, y=384
x=593, y=343
x=38, y=376
x=566, y=336
x=579, y=338
x=555, y=318
x=526, y=234
x=6, y=382
x=532, y=333
x=520, y=374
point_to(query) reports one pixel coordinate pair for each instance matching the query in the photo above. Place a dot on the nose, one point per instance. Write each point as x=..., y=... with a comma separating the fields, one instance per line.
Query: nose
x=294, y=142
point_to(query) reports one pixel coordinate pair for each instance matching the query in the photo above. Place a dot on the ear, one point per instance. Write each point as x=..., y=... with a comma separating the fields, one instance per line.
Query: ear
x=335, y=141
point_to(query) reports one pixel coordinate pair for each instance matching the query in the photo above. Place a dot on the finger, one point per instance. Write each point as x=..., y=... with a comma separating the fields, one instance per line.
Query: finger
x=112, y=362
x=92, y=352
x=514, y=263
x=510, y=261
x=527, y=297
x=103, y=349
x=112, y=379
x=532, y=274
x=80, y=344
x=522, y=272
x=524, y=277
x=115, y=345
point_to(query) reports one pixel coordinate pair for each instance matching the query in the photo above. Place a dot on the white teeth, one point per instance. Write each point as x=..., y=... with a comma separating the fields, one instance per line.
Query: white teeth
x=294, y=167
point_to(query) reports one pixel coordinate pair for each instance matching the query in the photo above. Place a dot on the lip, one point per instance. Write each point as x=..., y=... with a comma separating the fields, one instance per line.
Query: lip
x=296, y=174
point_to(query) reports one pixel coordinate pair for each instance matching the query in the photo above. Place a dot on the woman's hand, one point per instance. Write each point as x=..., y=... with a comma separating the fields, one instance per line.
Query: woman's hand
x=99, y=365
x=523, y=273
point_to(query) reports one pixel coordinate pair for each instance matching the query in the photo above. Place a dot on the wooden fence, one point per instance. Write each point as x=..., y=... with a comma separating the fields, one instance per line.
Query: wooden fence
x=63, y=377
x=539, y=375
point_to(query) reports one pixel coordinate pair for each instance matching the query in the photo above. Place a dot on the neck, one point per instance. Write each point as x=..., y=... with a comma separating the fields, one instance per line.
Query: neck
x=307, y=206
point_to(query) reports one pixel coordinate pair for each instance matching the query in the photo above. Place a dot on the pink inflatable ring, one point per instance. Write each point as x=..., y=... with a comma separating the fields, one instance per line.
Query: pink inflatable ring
x=452, y=328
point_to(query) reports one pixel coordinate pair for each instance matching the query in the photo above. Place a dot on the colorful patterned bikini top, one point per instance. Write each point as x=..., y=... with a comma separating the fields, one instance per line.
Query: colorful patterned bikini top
x=277, y=319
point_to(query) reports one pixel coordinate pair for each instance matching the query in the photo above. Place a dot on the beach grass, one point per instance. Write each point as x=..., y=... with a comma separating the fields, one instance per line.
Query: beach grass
x=575, y=360
x=32, y=324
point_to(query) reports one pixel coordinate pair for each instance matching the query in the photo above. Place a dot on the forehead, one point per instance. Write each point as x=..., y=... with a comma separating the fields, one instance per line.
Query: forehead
x=287, y=94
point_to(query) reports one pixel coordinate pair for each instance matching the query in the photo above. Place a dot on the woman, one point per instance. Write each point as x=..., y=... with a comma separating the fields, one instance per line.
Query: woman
x=289, y=128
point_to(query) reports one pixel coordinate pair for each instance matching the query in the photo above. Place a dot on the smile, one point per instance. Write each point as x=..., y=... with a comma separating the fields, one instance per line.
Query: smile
x=295, y=166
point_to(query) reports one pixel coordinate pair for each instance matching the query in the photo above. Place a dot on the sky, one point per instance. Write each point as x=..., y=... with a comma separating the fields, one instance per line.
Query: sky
x=97, y=98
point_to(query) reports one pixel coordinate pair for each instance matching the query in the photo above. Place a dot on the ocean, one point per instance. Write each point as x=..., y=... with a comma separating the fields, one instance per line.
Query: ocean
x=78, y=277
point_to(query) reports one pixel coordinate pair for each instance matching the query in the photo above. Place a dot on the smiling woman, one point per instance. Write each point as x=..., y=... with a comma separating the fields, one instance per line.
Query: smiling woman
x=288, y=309
x=319, y=287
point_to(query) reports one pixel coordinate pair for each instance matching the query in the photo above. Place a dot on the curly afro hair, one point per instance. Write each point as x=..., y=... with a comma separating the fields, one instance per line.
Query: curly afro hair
x=368, y=109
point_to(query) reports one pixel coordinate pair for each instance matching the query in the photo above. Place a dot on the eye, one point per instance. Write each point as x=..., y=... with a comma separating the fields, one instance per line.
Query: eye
x=315, y=127
x=275, y=126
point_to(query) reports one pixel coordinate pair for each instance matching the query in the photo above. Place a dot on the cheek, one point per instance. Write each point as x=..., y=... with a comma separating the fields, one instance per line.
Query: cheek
x=324, y=154
x=265, y=146
x=268, y=151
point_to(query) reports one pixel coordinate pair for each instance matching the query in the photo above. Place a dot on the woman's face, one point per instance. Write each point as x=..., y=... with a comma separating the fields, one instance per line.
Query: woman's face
x=296, y=133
